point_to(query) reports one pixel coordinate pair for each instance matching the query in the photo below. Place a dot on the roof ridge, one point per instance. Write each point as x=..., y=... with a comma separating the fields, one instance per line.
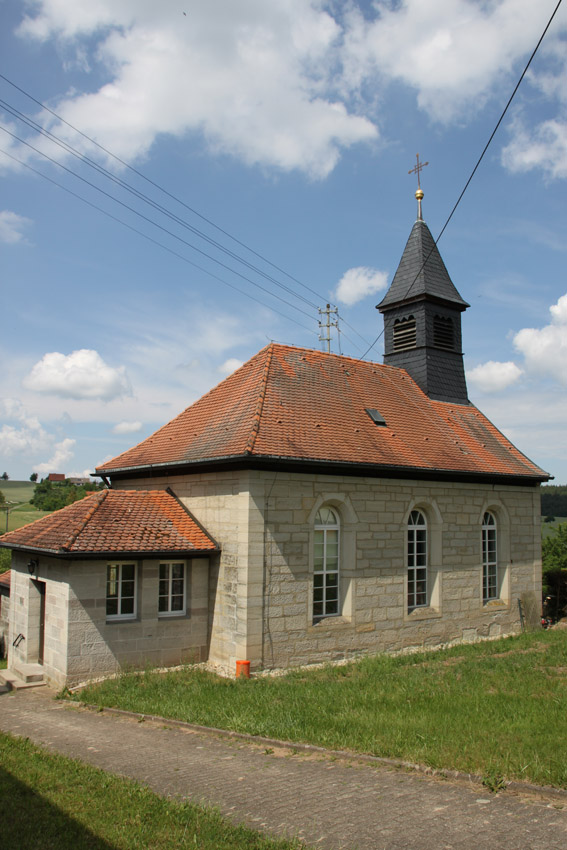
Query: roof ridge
x=261, y=398
x=98, y=499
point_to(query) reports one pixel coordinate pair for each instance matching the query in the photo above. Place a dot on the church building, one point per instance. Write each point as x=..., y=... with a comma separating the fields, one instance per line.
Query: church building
x=311, y=507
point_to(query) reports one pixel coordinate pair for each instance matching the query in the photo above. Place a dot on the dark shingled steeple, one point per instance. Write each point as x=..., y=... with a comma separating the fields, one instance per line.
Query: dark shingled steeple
x=422, y=320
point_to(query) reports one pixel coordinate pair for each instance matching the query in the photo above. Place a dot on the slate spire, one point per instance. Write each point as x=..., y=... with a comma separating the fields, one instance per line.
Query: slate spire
x=422, y=319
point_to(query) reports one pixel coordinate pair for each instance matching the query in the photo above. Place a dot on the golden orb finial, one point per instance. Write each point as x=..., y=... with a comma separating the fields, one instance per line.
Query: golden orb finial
x=419, y=194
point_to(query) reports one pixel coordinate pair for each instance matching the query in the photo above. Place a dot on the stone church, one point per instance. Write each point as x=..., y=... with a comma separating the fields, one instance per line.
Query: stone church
x=311, y=507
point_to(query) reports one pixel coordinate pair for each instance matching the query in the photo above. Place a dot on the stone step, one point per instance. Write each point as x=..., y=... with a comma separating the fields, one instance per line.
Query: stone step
x=25, y=675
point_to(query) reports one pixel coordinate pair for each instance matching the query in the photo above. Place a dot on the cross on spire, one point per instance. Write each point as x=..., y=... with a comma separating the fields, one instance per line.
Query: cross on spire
x=417, y=169
x=419, y=194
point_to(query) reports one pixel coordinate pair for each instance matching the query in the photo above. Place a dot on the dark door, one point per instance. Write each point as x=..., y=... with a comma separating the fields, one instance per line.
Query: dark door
x=40, y=585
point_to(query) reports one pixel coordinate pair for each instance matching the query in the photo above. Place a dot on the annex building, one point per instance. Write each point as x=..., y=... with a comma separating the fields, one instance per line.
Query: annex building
x=310, y=507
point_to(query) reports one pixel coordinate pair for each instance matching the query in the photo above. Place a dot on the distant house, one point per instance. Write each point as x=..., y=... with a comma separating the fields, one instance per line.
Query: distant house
x=56, y=476
x=79, y=481
x=310, y=507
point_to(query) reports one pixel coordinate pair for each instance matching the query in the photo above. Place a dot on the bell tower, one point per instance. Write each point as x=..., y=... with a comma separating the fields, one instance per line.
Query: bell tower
x=422, y=316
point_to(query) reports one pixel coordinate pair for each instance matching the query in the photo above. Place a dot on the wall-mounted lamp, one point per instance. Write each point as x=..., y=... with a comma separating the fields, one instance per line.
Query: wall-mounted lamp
x=32, y=566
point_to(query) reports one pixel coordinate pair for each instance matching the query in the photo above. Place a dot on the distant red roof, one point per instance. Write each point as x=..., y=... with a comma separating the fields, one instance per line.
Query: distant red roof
x=56, y=476
x=298, y=404
x=5, y=579
x=115, y=521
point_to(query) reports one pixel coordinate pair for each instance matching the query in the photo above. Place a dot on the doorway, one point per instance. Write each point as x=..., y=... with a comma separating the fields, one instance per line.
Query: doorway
x=40, y=615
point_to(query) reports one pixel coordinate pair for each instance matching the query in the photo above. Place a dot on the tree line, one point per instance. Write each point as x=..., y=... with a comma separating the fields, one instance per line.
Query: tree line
x=554, y=500
x=53, y=495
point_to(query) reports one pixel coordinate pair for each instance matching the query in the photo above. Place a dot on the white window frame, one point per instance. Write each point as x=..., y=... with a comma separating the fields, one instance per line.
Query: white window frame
x=417, y=554
x=325, y=566
x=120, y=581
x=490, y=584
x=169, y=612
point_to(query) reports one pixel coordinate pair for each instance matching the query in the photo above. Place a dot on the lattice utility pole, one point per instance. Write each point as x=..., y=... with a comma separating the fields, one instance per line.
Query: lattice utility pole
x=325, y=326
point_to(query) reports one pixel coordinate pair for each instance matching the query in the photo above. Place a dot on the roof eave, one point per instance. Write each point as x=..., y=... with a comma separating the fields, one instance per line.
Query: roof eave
x=113, y=553
x=333, y=467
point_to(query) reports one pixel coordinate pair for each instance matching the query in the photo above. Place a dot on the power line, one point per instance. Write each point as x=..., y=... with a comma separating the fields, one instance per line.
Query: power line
x=473, y=172
x=152, y=222
x=160, y=188
x=154, y=241
x=141, y=196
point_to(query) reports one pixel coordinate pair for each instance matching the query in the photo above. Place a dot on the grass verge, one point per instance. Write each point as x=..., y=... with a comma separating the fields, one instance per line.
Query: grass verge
x=498, y=709
x=54, y=802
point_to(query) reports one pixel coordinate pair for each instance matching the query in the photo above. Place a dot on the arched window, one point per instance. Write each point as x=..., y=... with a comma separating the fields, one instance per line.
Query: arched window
x=405, y=334
x=326, y=564
x=417, y=560
x=489, y=558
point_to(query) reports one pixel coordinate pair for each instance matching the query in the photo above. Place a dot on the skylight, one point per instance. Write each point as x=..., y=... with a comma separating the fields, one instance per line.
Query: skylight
x=376, y=417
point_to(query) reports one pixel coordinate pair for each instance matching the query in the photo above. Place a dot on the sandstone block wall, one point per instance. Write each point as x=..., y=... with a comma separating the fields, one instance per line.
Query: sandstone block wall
x=374, y=614
x=79, y=642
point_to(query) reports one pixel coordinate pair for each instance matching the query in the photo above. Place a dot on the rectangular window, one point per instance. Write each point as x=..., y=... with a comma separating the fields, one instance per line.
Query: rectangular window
x=172, y=589
x=121, y=591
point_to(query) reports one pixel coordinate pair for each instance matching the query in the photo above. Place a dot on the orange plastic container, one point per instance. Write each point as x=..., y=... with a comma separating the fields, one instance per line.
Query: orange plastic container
x=243, y=669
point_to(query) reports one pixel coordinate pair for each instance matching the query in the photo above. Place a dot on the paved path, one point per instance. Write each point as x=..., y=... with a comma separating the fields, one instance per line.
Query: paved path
x=328, y=803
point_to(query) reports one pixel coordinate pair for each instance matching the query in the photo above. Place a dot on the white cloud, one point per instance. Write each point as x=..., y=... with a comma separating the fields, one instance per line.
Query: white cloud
x=545, y=349
x=230, y=365
x=127, y=427
x=454, y=53
x=12, y=227
x=288, y=84
x=543, y=147
x=492, y=377
x=359, y=282
x=62, y=453
x=249, y=77
x=82, y=374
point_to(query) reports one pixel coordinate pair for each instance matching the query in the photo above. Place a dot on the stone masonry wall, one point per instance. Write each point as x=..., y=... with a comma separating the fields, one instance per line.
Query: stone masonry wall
x=373, y=514
x=80, y=643
x=229, y=506
x=25, y=614
x=260, y=589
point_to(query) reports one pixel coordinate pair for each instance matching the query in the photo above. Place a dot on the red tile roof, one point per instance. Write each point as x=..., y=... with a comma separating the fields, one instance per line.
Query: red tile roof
x=298, y=404
x=115, y=521
x=5, y=579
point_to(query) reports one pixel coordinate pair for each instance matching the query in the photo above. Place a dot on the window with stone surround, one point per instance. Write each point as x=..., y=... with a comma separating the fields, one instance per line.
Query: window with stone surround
x=326, y=564
x=121, y=591
x=489, y=558
x=417, y=560
x=172, y=589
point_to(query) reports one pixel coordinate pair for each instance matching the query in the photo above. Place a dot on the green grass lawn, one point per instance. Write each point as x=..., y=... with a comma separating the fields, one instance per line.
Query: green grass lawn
x=54, y=803
x=498, y=709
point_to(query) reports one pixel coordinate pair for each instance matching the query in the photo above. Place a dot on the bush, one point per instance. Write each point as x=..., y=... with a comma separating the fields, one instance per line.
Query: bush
x=5, y=559
x=554, y=572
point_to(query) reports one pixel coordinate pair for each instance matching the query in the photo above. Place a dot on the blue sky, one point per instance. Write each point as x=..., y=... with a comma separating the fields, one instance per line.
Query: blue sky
x=291, y=125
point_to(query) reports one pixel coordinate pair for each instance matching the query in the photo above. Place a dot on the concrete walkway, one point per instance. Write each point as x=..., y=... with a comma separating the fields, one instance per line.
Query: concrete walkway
x=327, y=803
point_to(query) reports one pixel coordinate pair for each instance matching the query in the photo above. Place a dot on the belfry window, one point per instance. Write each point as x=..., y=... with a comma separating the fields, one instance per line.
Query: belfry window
x=443, y=333
x=405, y=334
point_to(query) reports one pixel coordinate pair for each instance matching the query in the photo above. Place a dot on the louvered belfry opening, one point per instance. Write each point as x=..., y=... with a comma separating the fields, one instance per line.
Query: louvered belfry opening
x=422, y=320
x=405, y=334
x=443, y=333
